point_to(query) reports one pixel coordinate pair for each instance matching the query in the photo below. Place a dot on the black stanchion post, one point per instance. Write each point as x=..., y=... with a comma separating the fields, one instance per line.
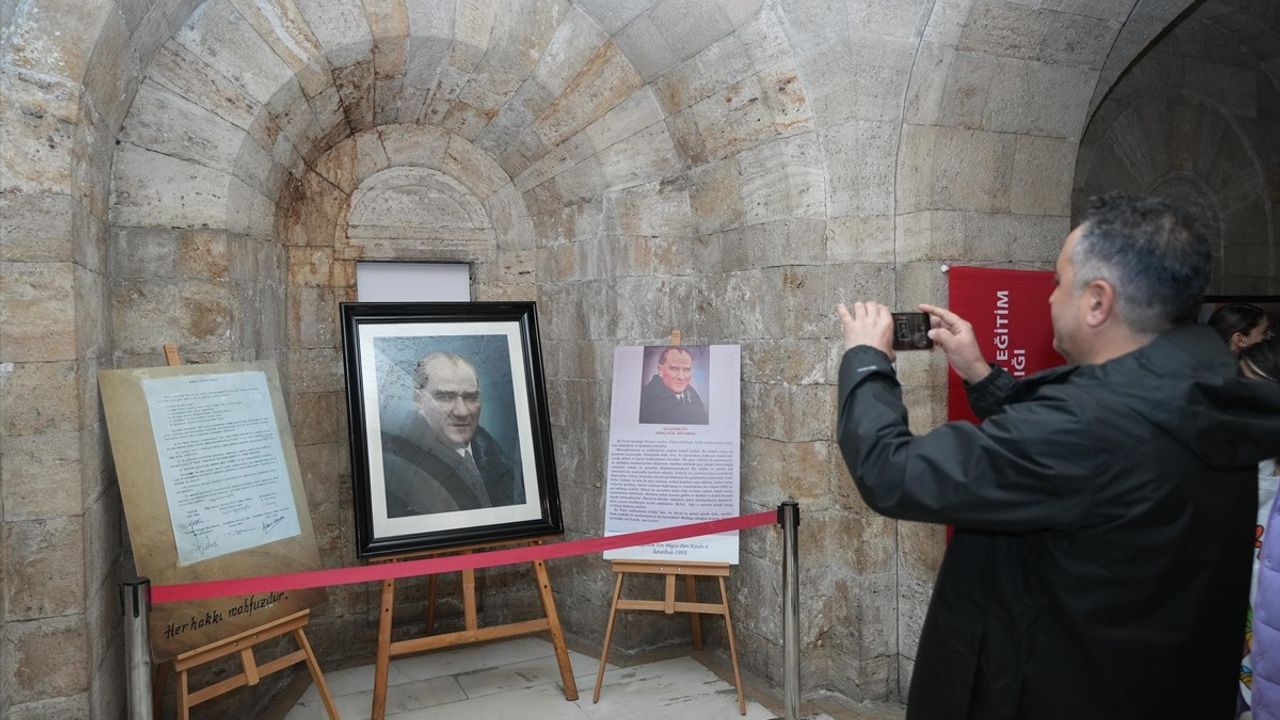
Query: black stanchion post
x=789, y=519
x=135, y=597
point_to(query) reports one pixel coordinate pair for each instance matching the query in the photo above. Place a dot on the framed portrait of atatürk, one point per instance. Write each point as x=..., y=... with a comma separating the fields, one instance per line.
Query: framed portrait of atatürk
x=450, y=438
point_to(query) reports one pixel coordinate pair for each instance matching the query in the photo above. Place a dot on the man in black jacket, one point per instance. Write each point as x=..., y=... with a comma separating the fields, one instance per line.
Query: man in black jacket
x=1104, y=510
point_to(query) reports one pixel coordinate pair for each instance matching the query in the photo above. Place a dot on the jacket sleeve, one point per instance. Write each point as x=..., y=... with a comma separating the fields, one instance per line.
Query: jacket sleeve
x=1025, y=468
x=988, y=394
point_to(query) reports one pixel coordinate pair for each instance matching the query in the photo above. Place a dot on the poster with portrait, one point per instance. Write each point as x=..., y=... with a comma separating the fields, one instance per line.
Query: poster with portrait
x=450, y=441
x=674, y=448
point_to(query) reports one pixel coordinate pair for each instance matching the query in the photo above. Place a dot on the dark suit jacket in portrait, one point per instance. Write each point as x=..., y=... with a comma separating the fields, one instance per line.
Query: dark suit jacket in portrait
x=424, y=475
x=658, y=405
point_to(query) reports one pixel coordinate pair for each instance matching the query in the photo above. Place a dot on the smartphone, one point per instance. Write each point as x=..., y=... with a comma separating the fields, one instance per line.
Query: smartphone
x=911, y=331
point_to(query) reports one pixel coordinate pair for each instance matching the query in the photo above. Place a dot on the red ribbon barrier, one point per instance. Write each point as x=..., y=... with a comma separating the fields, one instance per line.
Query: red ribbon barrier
x=186, y=592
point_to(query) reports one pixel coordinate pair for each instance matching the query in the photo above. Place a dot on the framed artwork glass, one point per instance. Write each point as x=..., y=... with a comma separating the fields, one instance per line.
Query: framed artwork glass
x=450, y=438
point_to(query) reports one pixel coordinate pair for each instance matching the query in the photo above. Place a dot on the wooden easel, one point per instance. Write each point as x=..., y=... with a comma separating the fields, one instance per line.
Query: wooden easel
x=243, y=644
x=669, y=605
x=471, y=633
x=691, y=571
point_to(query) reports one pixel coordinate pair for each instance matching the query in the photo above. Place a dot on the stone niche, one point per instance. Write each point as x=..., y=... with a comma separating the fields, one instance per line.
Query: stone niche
x=401, y=209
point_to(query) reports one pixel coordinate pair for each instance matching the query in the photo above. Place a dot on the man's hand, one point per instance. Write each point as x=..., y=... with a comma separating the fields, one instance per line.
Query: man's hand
x=869, y=323
x=955, y=336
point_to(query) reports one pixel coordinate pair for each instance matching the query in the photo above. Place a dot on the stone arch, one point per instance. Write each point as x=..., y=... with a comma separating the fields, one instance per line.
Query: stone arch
x=1202, y=157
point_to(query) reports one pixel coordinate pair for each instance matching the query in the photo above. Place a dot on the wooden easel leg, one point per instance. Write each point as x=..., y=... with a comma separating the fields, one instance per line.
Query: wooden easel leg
x=695, y=619
x=316, y=676
x=733, y=648
x=383, y=663
x=184, y=697
x=469, y=598
x=557, y=632
x=608, y=636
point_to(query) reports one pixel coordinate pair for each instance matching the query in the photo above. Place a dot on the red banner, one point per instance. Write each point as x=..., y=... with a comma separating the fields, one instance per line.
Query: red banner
x=1009, y=311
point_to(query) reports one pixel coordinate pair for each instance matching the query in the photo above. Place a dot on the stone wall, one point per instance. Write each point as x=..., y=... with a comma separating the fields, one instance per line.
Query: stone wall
x=206, y=173
x=1197, y=118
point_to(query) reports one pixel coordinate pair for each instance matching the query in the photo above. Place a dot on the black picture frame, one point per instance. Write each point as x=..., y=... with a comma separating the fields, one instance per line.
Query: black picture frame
x=411, y=488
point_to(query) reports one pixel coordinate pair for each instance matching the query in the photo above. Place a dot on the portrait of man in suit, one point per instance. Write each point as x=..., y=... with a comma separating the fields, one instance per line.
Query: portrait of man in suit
x=669, y=397
x=442, y=459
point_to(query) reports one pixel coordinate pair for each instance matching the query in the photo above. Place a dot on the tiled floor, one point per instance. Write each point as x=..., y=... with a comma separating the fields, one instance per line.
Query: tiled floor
x=519, y=679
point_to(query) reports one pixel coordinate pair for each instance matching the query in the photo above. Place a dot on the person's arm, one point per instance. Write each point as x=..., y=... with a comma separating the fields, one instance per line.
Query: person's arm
x=1023, y=469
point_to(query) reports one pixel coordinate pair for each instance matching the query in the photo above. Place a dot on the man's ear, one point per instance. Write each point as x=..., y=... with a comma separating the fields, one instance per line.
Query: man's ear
x=1238, y=341
x=1101, y=298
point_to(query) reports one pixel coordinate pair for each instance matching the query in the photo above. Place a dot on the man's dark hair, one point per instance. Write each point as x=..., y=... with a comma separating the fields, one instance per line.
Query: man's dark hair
x=1263, y=358
x=1152, y=252
x=1235, y=318
x=662, y=356
x=420, y=373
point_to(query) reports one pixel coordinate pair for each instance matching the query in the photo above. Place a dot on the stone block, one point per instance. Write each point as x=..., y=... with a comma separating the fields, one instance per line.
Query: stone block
x=860, y=167
x=764, y=424
x=139, y=253
x=860, y=239
x=338, y=165
x=474, y=168
x=638, y=112
x=646, y=47
x=1000, y=27
x=95, y=456
x=1038, y=99
x=44, y=568
x=206, y=312
x=921, y=282
x=38, y=398
x=650, y=209
x=931, y=235
x=285, y=30
x=40, y=118
x=114, y=69
x=951, y=87
x=40, y=227
x=606, y=80
x=1076, y=40
x=37, y=311
x=46, y=659
x=41, y=475
x=153, y=189
x=1235, y=89
x=204, y=255
x=903, y=19
x=947, y=168
x=873, y=92
x=75, y=707
x=103, y=543
x=647, y=155
x=816, y=23
x=420, y=145
x=1029, y=238
x=310, y=266
x=54, y=39
x=510, y=219
x=723, y=64
x=178, y=69
x=222, y=37
x=690, y=27
x=355, y=83
x=315, y=370
x=143, y=314
x=860, y=281
x=1042, y=172
x=166, y=122
x=312, y=317
x=768, y=105
x=784, y=178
